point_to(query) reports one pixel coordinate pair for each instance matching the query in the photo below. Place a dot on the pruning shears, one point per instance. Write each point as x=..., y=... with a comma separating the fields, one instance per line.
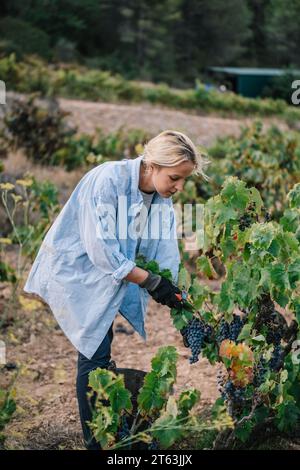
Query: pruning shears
x=184, y=299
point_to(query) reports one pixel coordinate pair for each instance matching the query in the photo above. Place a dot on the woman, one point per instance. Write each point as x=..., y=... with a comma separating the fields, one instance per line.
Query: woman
x=85, y=268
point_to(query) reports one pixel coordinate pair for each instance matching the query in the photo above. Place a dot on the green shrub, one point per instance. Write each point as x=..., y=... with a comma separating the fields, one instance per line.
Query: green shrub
x=268, y=160
x=39, y=131
x=71, y=80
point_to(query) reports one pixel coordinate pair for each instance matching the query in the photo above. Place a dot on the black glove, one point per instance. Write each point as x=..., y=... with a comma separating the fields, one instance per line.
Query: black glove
x=162, y=290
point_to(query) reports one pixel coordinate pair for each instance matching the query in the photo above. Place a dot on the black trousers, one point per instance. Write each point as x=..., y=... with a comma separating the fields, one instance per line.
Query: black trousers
x=101, y=358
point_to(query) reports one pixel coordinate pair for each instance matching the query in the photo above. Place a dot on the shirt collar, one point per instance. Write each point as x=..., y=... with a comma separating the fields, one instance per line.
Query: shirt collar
x=135, y=175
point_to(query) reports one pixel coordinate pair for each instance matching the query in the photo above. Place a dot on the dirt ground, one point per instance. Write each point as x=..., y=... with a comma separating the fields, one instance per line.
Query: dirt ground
x=203, y=130
x=47, y=413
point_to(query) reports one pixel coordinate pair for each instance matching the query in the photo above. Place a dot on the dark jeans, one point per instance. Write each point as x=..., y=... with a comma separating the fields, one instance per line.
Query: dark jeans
x=101, y=359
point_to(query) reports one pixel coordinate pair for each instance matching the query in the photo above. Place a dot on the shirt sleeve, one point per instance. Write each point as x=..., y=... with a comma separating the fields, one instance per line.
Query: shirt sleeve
x=98, y=227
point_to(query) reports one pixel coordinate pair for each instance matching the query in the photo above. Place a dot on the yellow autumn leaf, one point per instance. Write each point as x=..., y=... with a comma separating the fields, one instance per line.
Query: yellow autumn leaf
x=29, y=304
x=226, y=348
x=13, y=393
x=7, y=186
x=144, y=437
x=20, y=410
x=139, y=148
x=24, y=182
x=16, y=197
x=91, y=158
x=12, y=338
x=6, y=241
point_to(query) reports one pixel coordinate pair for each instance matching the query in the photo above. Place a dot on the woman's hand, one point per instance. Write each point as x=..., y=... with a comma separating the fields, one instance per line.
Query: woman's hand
x=162, y=290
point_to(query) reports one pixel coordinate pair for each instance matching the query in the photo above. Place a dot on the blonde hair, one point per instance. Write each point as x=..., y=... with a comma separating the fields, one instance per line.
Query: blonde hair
x=170, y=148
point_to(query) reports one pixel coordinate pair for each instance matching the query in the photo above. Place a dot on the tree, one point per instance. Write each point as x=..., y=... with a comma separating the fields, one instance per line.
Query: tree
x=256, y=47
x=212, y=32
x=147, y=36
x=284, y=32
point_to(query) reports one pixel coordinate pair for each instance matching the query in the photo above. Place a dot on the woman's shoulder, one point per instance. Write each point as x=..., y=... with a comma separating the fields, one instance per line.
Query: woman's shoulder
x=110, y=178
x=116, y=172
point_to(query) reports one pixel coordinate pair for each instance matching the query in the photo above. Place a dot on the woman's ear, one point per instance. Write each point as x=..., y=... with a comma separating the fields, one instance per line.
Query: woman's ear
x=148, y=169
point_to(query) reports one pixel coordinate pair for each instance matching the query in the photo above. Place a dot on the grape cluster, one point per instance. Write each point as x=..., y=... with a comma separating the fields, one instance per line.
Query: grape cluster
x=273, y=337
x=235, y=327
x=260, y=371
x=124, y=431
x=231, y=393
x=230, y=330
x=245, y=221
x=267, y=215
x=223, y=332
x=248, y=218
x=275, y=361
x=234, y=396
x=195, y=334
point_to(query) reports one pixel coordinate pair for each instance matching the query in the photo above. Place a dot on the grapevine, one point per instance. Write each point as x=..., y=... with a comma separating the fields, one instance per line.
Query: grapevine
x=242, y=326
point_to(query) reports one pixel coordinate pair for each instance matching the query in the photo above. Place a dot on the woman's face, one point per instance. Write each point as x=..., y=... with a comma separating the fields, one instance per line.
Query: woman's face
x=168, y=180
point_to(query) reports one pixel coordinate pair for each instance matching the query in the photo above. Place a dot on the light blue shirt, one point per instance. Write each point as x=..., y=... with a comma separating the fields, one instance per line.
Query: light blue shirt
x=80, y=274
